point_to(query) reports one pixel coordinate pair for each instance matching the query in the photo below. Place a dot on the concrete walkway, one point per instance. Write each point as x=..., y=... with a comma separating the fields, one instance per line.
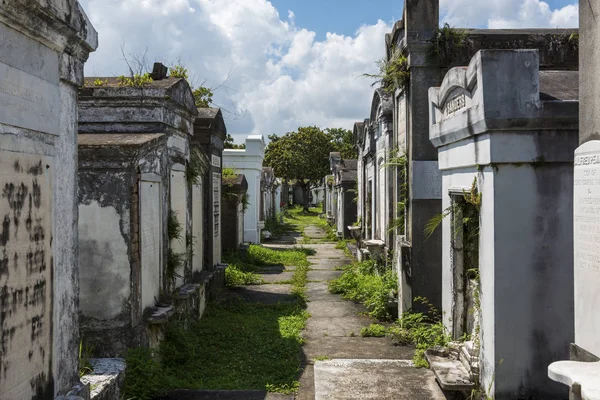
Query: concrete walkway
x=339, y=363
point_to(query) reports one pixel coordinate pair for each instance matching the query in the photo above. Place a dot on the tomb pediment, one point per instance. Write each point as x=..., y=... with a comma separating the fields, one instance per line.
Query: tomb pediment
x=501, y=90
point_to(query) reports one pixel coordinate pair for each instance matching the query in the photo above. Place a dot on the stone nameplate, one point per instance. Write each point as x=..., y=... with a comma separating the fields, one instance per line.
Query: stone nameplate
x=216, y=203
x=456, y=103
x=426, y=180
x=216, y=161
x=586, y=230
x=27, y=101
x=26, y=263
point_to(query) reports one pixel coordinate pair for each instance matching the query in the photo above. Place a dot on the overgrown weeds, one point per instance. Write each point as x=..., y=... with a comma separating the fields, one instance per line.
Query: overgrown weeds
x=424, y=330
x=242, y=266
x=374, y=330
x=236, y=346
x=364, y=283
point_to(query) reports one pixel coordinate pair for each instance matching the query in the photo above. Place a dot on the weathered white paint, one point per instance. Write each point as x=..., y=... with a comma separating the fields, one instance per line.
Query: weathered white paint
x=150, y=242
x=587, y=252
x=104, y=272
x=26, y=268
x=381, y=210
x=179, y=208
x=249, y=162
x=197, y=226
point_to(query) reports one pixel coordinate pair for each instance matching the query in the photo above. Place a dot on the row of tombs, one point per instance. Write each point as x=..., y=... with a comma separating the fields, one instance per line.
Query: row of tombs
x=160, y=200
x=469, y=184
x=117, y=204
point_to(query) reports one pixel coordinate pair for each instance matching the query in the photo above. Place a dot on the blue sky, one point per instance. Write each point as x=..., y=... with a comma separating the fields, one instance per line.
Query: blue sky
x=339, y=16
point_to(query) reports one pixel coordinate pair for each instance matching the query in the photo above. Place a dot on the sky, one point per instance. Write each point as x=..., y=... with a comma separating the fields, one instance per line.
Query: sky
x=280, y=64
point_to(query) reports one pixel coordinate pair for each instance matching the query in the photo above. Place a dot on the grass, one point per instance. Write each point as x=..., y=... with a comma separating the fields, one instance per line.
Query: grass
x=236, y=346
x=361, y=282
x=374, y=330
x=299, y=220
x=242, y=268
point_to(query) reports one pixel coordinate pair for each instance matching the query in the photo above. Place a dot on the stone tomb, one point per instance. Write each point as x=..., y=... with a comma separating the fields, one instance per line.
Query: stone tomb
x=209, y=135
x=582, y=372
x=249, y=162
x=505, y=132
x=344, y=188
x=121, y=185
x=42, y=51
x=165, y=105
x=234, y=189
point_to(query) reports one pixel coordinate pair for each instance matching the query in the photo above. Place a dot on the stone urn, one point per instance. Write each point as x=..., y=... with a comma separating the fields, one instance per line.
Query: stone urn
x=375, y=247
x=355, y=232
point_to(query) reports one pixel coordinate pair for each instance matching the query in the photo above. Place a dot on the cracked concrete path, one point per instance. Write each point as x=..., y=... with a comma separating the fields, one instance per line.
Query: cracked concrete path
x=339, y=363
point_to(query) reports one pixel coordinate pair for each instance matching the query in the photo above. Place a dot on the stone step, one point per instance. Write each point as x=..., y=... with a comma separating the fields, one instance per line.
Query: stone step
x=449, y=372
x=106, y=380
x=160, y=315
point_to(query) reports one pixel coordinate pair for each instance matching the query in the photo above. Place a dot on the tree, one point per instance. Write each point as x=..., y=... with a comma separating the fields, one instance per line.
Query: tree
x=301, y=156
x=342, y=142
x=230, y=143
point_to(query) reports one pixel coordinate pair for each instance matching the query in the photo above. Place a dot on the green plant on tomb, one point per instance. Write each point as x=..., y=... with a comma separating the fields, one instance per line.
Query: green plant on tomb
x=447, y=42
x=195, y=167
x=393, y=72
x=175, y=261
x=99, y=82
x=374, y=330
x=137, y=80
x=178, y=71
x=174, y=227
x=358, y=222
x=399, y=161
x=85, y=354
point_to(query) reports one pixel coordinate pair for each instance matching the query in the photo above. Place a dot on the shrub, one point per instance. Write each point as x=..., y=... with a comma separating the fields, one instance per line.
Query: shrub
x=360, y=282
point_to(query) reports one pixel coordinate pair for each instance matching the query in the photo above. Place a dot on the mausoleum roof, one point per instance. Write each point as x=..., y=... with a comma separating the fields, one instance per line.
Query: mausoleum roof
x=559, y=85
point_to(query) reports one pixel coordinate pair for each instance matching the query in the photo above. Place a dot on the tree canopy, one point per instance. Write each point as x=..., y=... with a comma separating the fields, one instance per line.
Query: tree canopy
x=342, y=142
x=301, y=156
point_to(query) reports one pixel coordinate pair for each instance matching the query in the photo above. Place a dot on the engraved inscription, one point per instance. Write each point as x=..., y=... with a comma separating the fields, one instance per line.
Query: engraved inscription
x=455, y=104
x=25, y=272
x=587, y=212
x=217, y=202
x=216, y=161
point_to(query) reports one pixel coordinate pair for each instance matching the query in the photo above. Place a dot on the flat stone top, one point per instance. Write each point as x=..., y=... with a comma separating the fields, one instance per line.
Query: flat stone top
x=116, y=139
x=113, y=82
x=559, y=85
x=585, y=374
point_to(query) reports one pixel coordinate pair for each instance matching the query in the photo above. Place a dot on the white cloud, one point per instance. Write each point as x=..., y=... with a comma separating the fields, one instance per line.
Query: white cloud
x=508, y=14
x=278, y=72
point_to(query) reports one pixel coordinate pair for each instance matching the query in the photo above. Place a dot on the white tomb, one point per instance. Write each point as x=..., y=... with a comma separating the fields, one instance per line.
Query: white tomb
x=505, y=131
x=249, y=162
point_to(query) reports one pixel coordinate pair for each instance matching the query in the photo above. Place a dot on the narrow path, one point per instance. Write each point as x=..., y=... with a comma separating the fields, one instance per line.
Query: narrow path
x=340, y=364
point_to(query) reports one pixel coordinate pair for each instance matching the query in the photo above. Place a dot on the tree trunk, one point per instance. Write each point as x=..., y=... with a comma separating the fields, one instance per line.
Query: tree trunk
x=306, y=188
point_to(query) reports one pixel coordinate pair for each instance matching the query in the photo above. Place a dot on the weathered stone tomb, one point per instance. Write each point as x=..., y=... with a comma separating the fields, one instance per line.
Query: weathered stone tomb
x=235, y=187
x=122, y=181
x=505, y=132
x=43, y=47
x=249, y=162
x=209, y=135
x=165, y=105
x=343, y=194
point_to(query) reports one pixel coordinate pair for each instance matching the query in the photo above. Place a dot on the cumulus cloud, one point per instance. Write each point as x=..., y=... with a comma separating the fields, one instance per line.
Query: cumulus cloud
x=276, y=75
x=508, y=14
